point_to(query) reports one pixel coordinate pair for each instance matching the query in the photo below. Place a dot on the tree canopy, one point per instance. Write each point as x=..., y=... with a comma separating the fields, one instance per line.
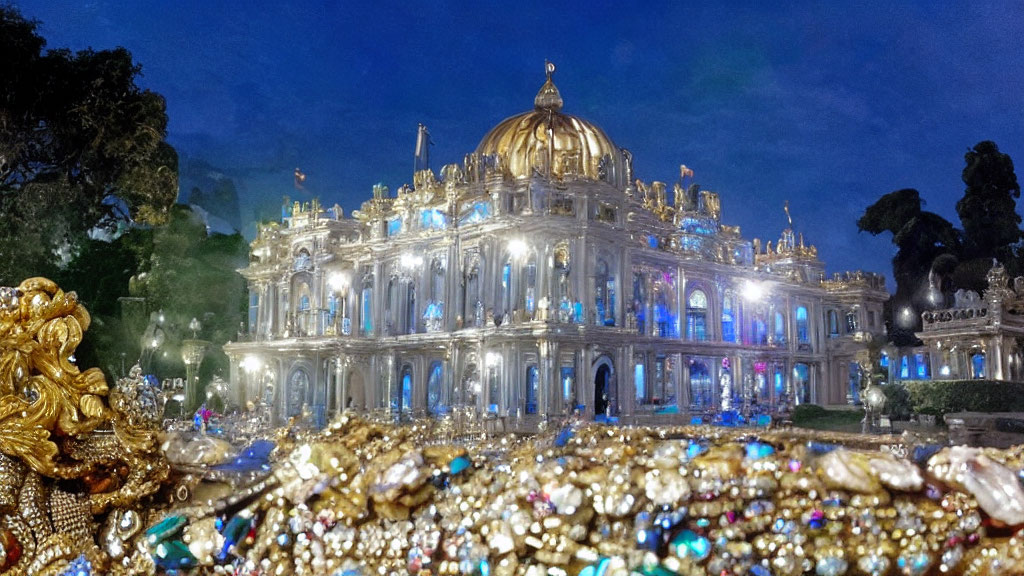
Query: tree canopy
x=988, y=208
x=932, y=256
x=82, y=147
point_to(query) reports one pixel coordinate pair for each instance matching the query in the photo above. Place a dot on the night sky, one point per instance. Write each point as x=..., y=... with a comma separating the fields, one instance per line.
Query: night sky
x=826, y=104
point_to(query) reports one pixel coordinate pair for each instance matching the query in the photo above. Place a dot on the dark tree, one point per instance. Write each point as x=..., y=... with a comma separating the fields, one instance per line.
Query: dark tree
x=191, y=274
x=81, y=147
x=988, y=209
x=920, y=237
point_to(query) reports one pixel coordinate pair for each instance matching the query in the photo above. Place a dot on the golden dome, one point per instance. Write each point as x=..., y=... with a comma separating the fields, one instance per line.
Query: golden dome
x=544, y=137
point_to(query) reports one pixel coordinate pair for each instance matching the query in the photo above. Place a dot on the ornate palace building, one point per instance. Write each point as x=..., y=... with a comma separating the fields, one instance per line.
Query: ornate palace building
x=539, y=278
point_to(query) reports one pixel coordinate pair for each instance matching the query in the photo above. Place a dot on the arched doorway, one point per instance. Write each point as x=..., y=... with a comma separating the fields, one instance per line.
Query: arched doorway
x=356, y=391
x=602, y=391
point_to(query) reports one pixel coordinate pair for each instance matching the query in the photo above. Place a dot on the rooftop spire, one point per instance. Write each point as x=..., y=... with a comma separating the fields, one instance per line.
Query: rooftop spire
x=548, y=98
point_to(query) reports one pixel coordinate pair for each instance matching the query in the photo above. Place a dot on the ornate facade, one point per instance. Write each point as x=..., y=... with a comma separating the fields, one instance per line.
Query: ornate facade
x=978, y=338
x=538, y=278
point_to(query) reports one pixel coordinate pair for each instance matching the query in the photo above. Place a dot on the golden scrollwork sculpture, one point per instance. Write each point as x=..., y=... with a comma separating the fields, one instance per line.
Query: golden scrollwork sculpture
x=67, y=455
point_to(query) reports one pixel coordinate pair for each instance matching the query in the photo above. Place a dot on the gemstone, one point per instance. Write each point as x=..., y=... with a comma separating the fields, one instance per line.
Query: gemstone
x=234, y=531
x=830, y=566
x=563, y=437
x=695, y=449
x=458, y=464
x=951, y=557
x=758, y=570
x=173, y=555
x=816, y=520
x=794, y=466
x=914, y=564
x=689, y=544
x=165, y=529
x=10, y=549
x=78, y=567
x=758, y=450
x=873, y=564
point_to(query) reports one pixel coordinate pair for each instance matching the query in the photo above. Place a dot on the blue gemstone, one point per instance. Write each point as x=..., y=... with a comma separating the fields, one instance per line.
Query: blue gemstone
x=458, y=464
x=820, y=448
x=694, y=449
x=485, y=568
x=758, y=570
x=563, y=437
x=923, y=453
x=758, y=450
x=233, y=532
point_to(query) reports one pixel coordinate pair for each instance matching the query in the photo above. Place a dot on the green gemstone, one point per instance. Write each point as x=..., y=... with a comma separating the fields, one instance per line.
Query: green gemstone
x=165, y=529
x=689, y=544
x=173, y=555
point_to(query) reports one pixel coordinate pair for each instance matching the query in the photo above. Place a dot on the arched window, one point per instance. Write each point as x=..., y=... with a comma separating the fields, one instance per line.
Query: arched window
x=404, y=401
x=604, y=294
x=473, y=308
x=803, y=334
x=392, y=315
x=410, y=308
x=640, y=301
x=700, y=385
x=664, y=310
x=298, y=385
x=530, y=277
x=493, y=382
x=978, y=365
x=696, y=316
x=435, y=404
x=532, y=378
x=802, y=383
x=367, y=309
x=302, y=260
x=728, y=318
x=779, y=335
x=506, y=287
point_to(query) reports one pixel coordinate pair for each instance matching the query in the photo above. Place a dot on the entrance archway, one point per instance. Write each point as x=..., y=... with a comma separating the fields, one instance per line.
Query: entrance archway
x=602, y=390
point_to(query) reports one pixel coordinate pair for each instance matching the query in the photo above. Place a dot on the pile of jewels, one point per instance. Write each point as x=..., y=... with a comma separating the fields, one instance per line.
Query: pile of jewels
x=361, y=498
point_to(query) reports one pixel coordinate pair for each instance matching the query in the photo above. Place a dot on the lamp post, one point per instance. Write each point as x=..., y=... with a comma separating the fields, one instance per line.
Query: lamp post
x=193, y=351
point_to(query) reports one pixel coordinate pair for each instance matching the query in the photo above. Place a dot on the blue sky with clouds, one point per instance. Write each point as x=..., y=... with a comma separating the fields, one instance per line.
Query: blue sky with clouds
x=826, y=104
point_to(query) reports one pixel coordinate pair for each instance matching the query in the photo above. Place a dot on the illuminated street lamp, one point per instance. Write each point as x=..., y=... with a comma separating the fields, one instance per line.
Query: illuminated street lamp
x=192, y=353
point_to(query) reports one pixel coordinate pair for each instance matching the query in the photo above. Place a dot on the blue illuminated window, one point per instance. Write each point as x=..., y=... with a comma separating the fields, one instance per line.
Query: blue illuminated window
x=478, y=212
x=434, y=404
x=728, y=319
x=638, y=380
x=802, y=333
x=532, y=377
x=367, y=310
x=394, y=226
x=904, y=368
x=433, y=219
x=922, y=365
x=696, y=316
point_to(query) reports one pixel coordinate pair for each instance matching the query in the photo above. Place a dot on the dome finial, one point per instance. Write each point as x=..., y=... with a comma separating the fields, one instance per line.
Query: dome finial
x=548, y=98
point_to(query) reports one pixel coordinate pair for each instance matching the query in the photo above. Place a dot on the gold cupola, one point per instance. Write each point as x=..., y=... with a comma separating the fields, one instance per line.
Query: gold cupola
x=546, y=142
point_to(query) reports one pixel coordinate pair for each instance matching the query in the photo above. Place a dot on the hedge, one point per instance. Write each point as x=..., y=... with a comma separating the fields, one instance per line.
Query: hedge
x=939, y=397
